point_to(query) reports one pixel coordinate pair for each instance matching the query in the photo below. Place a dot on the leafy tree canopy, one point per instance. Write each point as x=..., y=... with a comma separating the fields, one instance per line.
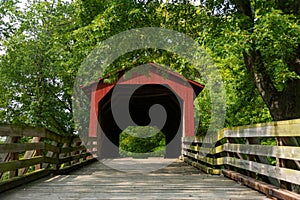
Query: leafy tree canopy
x=255, y=45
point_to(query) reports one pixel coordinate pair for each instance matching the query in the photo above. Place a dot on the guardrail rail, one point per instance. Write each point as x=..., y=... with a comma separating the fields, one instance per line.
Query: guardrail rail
x=32, y=153
x=239, y=154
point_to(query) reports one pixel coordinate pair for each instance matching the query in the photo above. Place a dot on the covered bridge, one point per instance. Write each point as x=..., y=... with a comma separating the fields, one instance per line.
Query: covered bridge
x=146, y=86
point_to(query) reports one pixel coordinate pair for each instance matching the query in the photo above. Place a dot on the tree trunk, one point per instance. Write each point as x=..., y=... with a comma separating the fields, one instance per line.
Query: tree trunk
x=285, y=105
x=282, y=105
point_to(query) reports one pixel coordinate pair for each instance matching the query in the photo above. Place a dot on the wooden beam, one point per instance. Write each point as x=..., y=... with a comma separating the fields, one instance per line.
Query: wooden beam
x=14, y=156
x=71, y=149
x=52, y=148
x=17, y=164
x=19, y=147
x=284, y=174
x=27, y=178
x=288, y=128
x=265, y=188
x=21, y=180
x=284, y=152
x=204, y=168
x=30, y=154
x=59, y=161
x=17, y=131
x=76, y=166
x=266, y=130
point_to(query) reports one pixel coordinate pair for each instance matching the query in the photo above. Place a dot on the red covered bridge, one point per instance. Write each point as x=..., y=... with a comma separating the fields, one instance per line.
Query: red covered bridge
x=155, y=85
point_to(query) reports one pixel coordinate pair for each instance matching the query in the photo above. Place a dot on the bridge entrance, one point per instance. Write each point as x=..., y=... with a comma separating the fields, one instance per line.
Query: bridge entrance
x=151, y=85
x=141, y=101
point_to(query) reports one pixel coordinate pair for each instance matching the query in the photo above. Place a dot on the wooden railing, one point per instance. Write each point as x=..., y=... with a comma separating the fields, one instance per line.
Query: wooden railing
x=31, y=153
x=239, y=153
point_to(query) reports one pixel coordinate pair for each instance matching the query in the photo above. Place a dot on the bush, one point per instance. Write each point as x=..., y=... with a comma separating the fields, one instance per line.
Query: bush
x=142, y=142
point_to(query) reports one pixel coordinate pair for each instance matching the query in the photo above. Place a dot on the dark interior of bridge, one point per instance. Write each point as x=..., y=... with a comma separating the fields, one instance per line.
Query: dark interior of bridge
x=141, y=101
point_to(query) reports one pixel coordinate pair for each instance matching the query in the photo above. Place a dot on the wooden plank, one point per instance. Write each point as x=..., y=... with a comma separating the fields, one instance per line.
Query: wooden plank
x=14, y=156
x=203, y=150
x=176, y=181
x=4, y=157
x=192, y=139
x=287, y=128
x=9, y=130
x=265, y=188
x=67, y=139
x=76, y=166
x=210, y=161
x=204, y=168
x=17, y=164
x=268, y=130
x=59, y=161
x=20, y=147
x=288, y=175
x=51, y=160
x=60, y=138
x=207, y=140
x=53, y=136
x=19, y=131
x=52, y=148
x=31, y=154
x=255, y=141
x=75, y=157
x=71, y=149
x=51, y=153
x=285, y=152
x=21, y=180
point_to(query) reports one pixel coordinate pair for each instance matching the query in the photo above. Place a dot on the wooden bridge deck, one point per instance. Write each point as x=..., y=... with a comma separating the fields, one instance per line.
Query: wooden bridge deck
x=97, y=181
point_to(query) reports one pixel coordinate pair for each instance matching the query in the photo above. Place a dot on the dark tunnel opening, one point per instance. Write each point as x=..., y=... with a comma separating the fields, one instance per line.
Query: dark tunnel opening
x=141, y=101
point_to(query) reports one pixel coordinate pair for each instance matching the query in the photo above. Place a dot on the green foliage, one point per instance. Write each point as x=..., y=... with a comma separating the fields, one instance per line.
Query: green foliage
x=265, y=36
x=268, y=141
x=271, y=142
x=277, y=35
x=88, y=10
x=36, y=83
x=5, y=176
x=8, y=18
x=142, y=141
x=244, y=104
x=42, y=56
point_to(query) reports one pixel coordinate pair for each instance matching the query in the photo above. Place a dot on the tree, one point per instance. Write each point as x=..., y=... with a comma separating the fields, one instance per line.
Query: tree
x=38, y=78
x=267, y=35
x=8, y=23
x=8, y=18
x=44, y=54
x=118, y=16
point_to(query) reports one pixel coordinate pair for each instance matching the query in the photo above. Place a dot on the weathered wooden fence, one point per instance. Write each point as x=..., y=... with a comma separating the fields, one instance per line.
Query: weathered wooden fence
x=239, y=153
x=31, y=153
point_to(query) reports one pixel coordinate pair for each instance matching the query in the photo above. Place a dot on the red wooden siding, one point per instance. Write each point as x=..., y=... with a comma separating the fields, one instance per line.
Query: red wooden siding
x=182, y=88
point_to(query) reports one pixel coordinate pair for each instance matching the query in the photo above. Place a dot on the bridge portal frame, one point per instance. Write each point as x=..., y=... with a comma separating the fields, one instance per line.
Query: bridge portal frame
x=186, y=90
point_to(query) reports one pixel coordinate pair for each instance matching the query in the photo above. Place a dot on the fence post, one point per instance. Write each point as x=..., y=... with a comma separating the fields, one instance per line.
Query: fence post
x=14, y=156
x=251, y=157
x=281, y=163
x=38, y=152
x=229, y=154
